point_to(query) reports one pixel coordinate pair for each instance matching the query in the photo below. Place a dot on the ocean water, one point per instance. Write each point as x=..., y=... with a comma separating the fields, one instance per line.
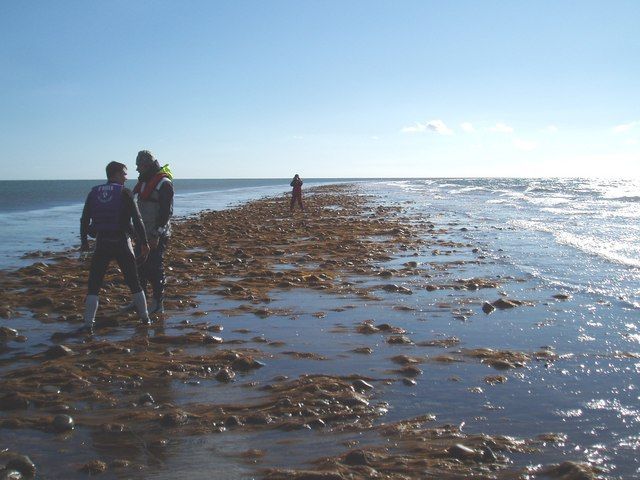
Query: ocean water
x=44, y=215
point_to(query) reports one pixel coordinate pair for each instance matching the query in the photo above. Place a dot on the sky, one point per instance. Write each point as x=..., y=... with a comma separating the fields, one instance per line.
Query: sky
x=323, y=88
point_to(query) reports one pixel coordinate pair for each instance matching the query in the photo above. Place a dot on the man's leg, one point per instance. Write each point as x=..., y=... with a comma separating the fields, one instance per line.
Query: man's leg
x=99, y=263
x=127, y=262
x=154, y=267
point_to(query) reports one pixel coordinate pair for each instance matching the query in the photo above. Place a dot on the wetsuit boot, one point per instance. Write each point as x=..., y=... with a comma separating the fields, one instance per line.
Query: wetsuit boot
x=90, y=309
x=140, y=301
x=156, y=305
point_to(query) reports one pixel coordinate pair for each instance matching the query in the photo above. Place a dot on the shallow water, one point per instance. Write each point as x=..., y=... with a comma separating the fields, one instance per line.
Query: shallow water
x=590, y=393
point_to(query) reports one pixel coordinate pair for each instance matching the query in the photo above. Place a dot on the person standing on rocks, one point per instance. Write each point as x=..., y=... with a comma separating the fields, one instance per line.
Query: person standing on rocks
x=111, y=215
x=296, y=194
x=154, y=195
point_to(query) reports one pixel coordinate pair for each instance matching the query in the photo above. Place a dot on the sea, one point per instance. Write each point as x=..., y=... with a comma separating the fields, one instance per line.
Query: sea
x=539, y=237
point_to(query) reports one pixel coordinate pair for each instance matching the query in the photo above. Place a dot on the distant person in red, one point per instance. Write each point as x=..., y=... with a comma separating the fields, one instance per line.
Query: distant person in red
x=296, y=195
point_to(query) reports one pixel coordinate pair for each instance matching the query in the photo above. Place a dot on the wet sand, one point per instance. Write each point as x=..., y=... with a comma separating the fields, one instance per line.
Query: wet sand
x=290, y=348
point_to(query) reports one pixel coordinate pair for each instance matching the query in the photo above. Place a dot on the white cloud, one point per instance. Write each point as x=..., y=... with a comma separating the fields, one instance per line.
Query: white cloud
x=436, y=126
x=550, y=129
x=467, y=127
x=417, y=128
x=501, y=128
x=524, y=144
x=625, y=127
x=439, y=127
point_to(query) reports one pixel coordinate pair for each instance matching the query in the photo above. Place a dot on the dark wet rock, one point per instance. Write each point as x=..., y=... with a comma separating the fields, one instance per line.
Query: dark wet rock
x=431, y=288
x=385, y=274
x=7, y=333
x=232, y=421
x=488, y=308
x=399, y=340
x=14, y=401
x=175, y=419
x=212, y=339
x=10, y=474
x=562, y=296
x=225, y=375
x=244, y=364
x=488, y=455
x=409, y=382
x=62, y=423
x=146, y=399
x=385, y=327
x=367, y=328
x=317, y=423
x=94, y=467
x=58, y=351
x=363, y=350
x=20, y=463
x=462, y=452
x=362, y=386
x=444, y=343
x=410, y=371
x=52, y=389
x=258, y=419
x=572, y=471
x=503, y=303
x=358, y=457
x=215, y=328
x=6, y=312
x=392, y=287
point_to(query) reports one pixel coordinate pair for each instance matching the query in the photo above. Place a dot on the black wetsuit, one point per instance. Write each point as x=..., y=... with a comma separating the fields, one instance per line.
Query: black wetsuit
x=112, y=225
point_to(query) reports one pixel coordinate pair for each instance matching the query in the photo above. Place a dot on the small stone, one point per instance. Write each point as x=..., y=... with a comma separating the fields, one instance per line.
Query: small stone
x=562, y=296
x=7, y=333
x=225, y=375
x=488, y=308
x=175, y=419
x=362, y=386
x=63, y=423
x=20, y=463
x=94, y=467
x=58, y=351
x=232, y=421
x=146, y=399
x=462, y=452
x=358, y=457
x=409, y=382
x=398, y=340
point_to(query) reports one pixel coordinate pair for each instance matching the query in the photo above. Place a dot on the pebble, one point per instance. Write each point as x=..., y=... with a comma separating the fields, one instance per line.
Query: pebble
x=488, y=308
x=20, y=463
x=63, y=423
x=58, y=351
x=362, y=386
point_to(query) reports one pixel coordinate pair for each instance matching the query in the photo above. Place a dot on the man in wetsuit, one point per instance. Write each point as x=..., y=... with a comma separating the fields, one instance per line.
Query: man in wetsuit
x=154, y=195
x=296, y=194
x=112, y=216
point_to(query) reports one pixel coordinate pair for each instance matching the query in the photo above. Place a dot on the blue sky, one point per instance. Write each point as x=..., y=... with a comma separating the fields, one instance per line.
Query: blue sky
x=250, y=89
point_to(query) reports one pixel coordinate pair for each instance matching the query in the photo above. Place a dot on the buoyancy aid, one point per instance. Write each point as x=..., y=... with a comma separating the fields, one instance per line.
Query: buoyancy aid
x=106, y=206
x=148, y=202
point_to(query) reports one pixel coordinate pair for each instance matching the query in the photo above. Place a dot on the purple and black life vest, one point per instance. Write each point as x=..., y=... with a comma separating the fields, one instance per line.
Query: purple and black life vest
x=106, y=204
